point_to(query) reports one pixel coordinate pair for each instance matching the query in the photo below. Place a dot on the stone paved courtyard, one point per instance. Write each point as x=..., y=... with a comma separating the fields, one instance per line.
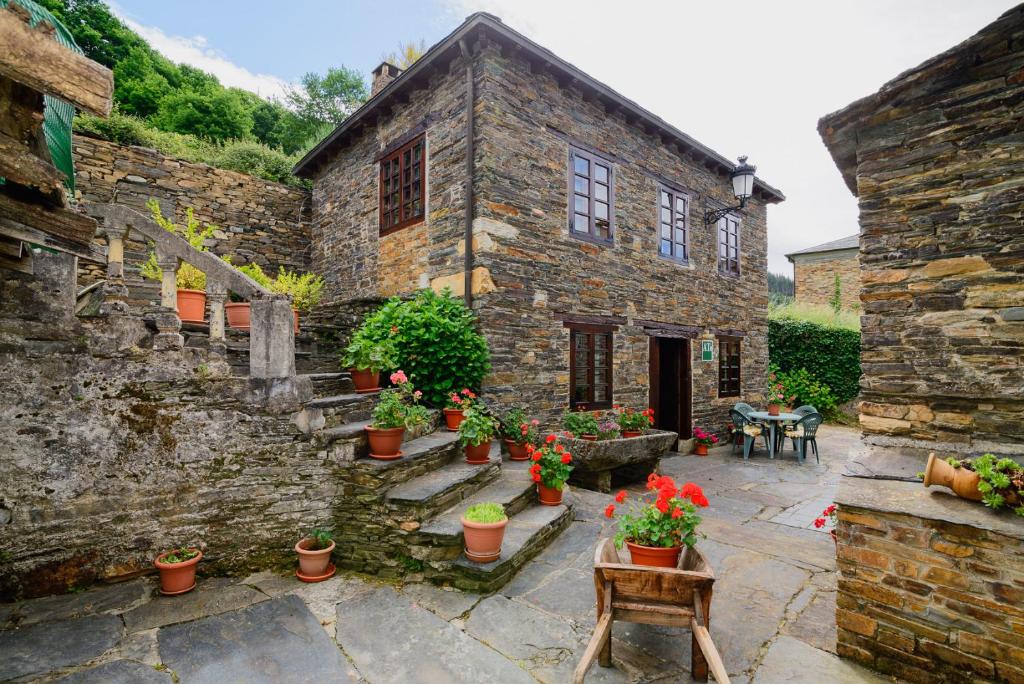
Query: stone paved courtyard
x=772, y=614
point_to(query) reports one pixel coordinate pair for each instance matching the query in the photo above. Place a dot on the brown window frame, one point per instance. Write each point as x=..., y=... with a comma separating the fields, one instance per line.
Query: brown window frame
x=674, y=196
x=727, y=264
x=591, y=333
x=730, y=358
x=591, y=234
x=393, y=166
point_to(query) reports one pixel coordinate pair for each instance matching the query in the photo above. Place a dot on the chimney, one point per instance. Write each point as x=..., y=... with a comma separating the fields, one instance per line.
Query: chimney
x=382, y=75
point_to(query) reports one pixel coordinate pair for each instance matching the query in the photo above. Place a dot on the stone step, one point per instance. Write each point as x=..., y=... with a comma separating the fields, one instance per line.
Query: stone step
x=348, y=407
x=325, y=384
x=423, y=497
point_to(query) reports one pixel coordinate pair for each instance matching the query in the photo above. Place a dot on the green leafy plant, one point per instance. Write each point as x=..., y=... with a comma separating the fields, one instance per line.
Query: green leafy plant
x=634, y=421
x=836, y=300
x=516, y=427
x=552, y=463
x=180, y=555
x=485, y=513
x=1001, y=481
x=580, y=422
x=831, y=354
x=478, y=426
x=666, y=517
x=363, y=353
x=399, y=406
x=188, y=276
x=318, y=540
x=807, y=389
x=776, y=392
x=461, y=400
x=436, y=339
x=253, y=270
x=305, y=290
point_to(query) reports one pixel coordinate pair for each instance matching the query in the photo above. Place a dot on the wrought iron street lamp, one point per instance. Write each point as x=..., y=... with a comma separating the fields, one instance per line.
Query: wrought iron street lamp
x=742, y=187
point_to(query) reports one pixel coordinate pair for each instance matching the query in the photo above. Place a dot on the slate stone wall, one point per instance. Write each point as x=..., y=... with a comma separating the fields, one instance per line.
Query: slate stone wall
x=814, y=279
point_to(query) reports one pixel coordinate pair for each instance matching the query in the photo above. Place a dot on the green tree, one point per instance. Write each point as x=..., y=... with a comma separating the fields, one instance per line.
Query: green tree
x=218, y=116
x=330, y=98
x=138, y=86
x=102, y=36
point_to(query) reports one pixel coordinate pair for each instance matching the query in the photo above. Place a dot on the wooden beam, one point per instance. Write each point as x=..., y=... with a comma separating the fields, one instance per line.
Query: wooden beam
x=31, y=57
x=19, y=164
x=66, y=224
x=17, y=231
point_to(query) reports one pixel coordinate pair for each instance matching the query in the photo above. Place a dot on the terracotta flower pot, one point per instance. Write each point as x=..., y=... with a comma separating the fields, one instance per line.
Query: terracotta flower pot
x=452, y=418
x=385, y=443
x=549, y=496
x=177, y=578
x=700, y=449
x=629, y=434
x=773, y=409
x=963, y=482
x=365, y=380
x=516, y=451
x=313, y=563
x=479, y=454
x=656, y=556
x=483, y=540
x=589, y=438
x=192, y=306
x=238, y=315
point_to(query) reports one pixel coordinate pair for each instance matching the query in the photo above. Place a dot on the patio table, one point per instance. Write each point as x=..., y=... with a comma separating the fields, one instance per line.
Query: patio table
x=772, y=422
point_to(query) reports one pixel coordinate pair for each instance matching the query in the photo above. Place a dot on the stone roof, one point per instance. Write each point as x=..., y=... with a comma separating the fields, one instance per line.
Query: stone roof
x=440, y=55
x=848, y=242
x=839, y=129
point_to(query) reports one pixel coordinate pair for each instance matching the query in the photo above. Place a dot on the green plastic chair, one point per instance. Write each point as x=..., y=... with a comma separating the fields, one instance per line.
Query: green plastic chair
x=741, y=422
x=804, y=432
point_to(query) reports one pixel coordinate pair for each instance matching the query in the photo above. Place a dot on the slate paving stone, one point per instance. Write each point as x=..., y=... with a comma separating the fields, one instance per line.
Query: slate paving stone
x=816, y=623
x=210, y=597
x=533, y=575
x=447, y=603
x=50, y=646
x=794, y=662
x=271, y=583
x=731, y=508
x=521, y=632
x=568, y=593
x=322, y=597
x=390, y=639
x=580, y=538
x=115, y=598
x=277, y=641
x=119, y=672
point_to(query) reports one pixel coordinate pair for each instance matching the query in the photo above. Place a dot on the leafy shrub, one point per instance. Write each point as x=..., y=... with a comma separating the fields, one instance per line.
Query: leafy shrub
x=255, y=159
x=304, y=290
x=188, y=276
x=807, y=389
x=362, y=353
x=831, y=355
x=580, y=423
x=436, y=340
x=787, y=309
x=477, y=427
x=485, y=513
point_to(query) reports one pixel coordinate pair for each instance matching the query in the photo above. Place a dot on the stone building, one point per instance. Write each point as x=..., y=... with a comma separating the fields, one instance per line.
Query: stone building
x=816, y=269
x=569, y=217
x=931, y=587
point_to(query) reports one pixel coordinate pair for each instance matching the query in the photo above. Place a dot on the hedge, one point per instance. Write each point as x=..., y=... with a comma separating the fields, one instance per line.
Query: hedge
x=831, y=354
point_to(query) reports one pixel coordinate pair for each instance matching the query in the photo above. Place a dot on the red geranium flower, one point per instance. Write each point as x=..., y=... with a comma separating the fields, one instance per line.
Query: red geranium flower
x=609, y=511
x=566, y=458
x=621, y=496
x=661, y=505
x=550, y=438
x=676, y=513
x=819, y=522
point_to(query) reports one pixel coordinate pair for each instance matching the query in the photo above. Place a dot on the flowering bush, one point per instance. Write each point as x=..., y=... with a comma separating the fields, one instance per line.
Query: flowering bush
x=478, y=426
x=633, y=421
x=551, y=463
x=516, y=427
x=581, y=422
x=608, y=429
x=399, y=406
x=362, y=353
x=668, y=519
x=460, y=400
x=776, y=392
x=828, y=517
x=700, y=436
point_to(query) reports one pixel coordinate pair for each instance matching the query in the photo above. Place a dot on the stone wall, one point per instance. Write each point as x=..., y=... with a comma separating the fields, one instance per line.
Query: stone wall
x=814, y=278
x=259, y=221
x=931, y=587
x=941, y=191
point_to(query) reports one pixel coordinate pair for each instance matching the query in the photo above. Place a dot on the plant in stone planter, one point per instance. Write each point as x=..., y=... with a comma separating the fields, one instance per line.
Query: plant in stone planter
x=775, y=395
x=190, y=281
x=315, y=556
x=702, y=440
x=305, y=290
x=366, y=358
x=582, y=424
x=517, y=432
x=828, y=518
x=238, y=310
x=998, y=483
x=634, y=423
x=551, y=467
x=658, y=525
x=476, y=430
x=483, y=526
x=177, y=569
x=608, y=429
x=397, y=409
x=455, y=407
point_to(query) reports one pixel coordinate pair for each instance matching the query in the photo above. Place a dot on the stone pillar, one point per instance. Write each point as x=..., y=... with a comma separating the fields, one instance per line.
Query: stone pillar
x=216, y=293
x=271, y=338
x=168, y=282
x=168, y=323
x=115, y=292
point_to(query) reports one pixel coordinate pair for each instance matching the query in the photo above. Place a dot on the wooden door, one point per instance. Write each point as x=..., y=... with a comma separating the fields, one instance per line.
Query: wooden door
x=670, y=377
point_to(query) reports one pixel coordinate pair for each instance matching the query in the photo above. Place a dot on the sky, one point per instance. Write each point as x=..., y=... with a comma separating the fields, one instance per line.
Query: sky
x=742, y=77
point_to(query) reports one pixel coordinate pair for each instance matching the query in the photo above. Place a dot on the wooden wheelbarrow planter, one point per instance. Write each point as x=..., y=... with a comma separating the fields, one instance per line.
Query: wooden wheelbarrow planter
x=672, y=597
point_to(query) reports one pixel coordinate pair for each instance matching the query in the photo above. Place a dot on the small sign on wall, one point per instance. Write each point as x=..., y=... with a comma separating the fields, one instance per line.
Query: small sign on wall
x=707, y=350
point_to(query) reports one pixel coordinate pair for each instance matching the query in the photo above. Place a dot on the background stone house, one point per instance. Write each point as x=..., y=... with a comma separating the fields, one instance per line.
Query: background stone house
x=587, y=258
x=931, y=587
x=815, y=270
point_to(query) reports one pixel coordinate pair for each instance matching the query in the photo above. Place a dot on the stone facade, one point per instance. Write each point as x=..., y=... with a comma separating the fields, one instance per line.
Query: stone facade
x=259, y=221
x=529, y=274
x=814, y=277
x=940, y=186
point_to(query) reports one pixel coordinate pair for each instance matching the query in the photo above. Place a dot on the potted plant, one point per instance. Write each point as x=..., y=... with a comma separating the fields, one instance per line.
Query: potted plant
x=397, y=409
x=828, y=517
x=702, y=440
x=550, y=470
x=608, y=429
x=582, y=424
x=190, y=281
x=476, y=430
x=366, y=358
x=455, y=407
x=775, y=395
x=517, y=432
x=634, y=423
x=315, y=556
x=177, y=569
x=304, y=290
x=238, y=310
x=659, y=524
x=483, y=526
x=996, y=482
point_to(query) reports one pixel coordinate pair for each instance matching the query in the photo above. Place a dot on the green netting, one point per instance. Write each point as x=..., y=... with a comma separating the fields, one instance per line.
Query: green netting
x=57, y=114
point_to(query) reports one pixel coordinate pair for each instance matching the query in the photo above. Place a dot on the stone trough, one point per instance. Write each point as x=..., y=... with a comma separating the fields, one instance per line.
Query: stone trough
x=596, y=464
